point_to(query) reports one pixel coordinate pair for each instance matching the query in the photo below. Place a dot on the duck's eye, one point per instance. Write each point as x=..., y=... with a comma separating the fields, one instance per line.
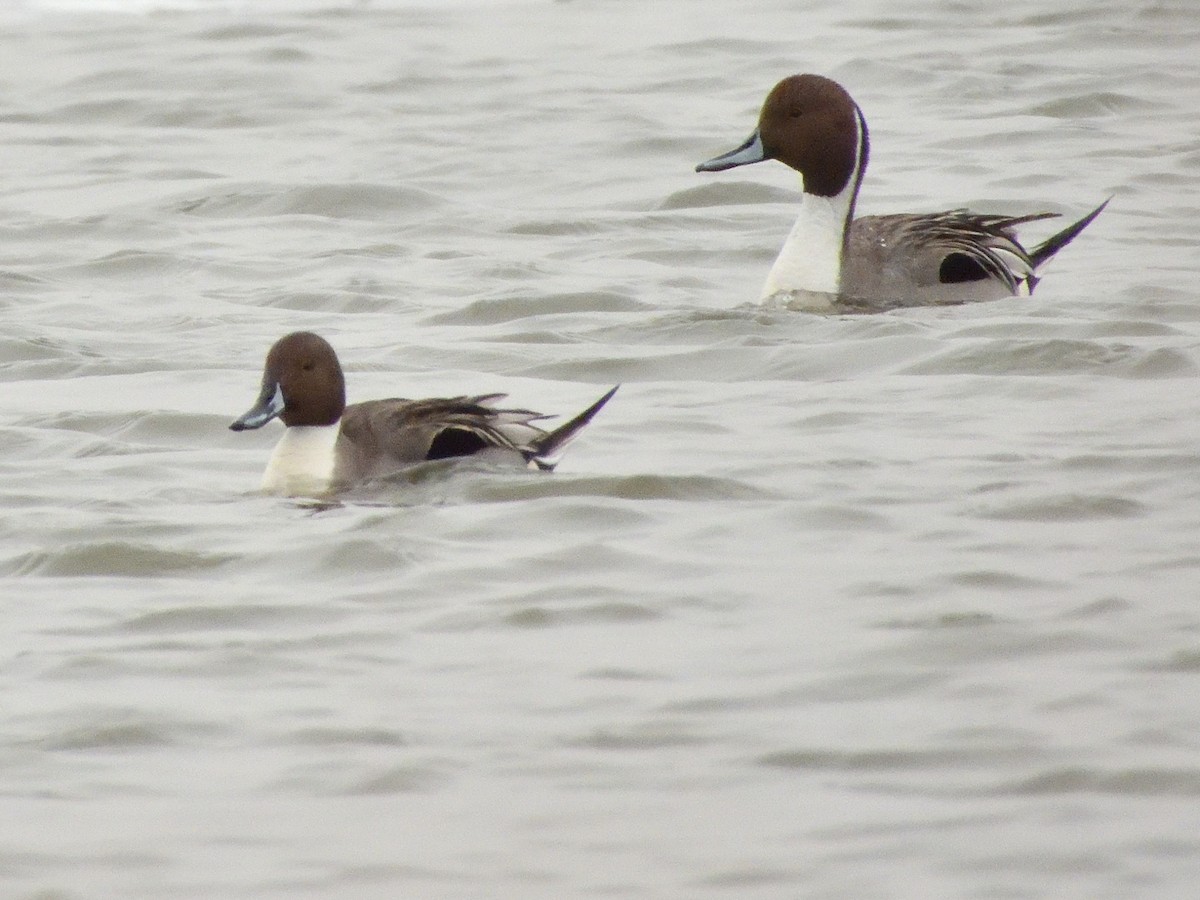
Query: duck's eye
x=308, y=366
x=795, y=114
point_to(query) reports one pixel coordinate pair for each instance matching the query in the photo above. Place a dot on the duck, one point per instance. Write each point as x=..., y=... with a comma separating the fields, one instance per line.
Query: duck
x=328, y=446
x=812, y=124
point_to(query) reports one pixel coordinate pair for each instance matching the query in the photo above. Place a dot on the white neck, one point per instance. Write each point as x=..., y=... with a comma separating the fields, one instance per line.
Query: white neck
x=811, y=258
x=302, y=462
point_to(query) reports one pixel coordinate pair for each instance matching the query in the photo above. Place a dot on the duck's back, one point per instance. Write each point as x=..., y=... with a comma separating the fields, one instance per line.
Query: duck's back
x=380, y=437
x=937, y=258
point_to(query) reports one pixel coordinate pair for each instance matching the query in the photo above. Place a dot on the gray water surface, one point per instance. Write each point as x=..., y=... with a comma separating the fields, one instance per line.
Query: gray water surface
x=877, y=606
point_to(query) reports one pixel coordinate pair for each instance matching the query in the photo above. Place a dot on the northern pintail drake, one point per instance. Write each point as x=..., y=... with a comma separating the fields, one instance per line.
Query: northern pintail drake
x=813, y=125
x=329, y=446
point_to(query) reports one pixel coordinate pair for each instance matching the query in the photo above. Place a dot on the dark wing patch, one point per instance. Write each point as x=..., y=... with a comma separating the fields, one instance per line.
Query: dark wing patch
x=451, y=442
x=979, y=247
x=462, y=426
x=957, y=268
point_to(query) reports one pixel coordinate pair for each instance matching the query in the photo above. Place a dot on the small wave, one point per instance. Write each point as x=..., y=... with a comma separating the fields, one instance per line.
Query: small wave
x=19, y=283
x=1061, y=356
x=1093, y=105
x=1181, y=661
x=939, y=621
x=183, y=619
x=1067, y=508
x=35, y=349
x=573, y=226
x=133, y=264
x=345, y=737
x=570, y=604
x=726, y=193
x=120, y=729
x=364, y=201
x=114, y=559
x=507, y=309
x=688, y=488
x=890, y=759
x=643, y=736
x=544, y=617
x=1144, y=782
x=345, y=778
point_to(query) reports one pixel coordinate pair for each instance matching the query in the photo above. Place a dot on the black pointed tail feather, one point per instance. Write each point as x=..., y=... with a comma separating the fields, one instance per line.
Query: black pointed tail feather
x=1043, y=251
x=544, y=450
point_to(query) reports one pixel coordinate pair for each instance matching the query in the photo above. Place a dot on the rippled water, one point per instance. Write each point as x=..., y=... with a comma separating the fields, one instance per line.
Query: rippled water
x=901, y=605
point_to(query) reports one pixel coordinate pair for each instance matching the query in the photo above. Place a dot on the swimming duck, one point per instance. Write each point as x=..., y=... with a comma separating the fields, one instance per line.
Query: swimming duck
x=812, y=124
x=329, y=446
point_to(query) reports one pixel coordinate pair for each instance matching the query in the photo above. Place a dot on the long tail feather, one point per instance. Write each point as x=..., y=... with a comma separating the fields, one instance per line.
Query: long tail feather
x=546, y=449
x=1043, y=251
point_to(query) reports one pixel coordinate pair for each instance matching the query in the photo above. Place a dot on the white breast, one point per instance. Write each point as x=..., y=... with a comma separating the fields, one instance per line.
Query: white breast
x=811, y=259
x=302, y=462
